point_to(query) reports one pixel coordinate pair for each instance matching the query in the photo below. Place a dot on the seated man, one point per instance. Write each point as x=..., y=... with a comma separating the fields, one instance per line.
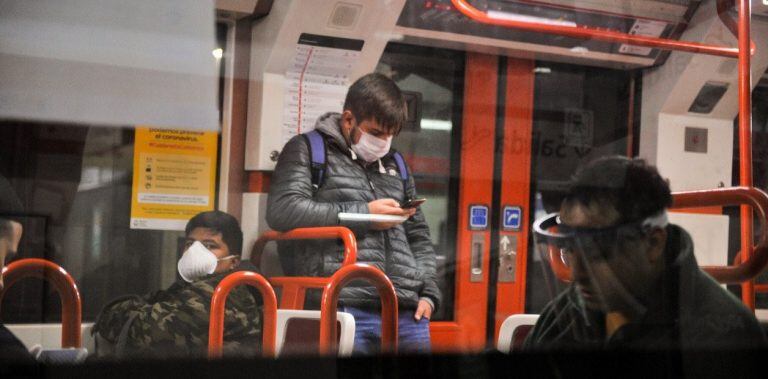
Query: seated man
x=636, y=283
x=175, y=321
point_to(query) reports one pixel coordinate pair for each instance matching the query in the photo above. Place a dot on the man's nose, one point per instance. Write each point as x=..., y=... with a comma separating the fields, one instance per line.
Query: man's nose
x=578, y=268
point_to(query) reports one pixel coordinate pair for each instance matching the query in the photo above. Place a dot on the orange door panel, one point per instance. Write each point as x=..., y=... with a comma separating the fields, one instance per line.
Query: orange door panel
x=468, y=329
x=515, y=190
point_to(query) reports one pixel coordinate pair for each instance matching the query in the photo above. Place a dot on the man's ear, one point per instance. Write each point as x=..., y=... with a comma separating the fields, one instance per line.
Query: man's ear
x=657, y=241
x=347, y=124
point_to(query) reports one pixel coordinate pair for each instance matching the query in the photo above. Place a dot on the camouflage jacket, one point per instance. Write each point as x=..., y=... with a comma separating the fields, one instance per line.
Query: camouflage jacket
x=174, y=322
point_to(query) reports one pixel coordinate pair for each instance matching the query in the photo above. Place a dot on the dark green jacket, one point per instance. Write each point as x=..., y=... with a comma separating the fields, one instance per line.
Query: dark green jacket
x=689, y=310
x=174, y=322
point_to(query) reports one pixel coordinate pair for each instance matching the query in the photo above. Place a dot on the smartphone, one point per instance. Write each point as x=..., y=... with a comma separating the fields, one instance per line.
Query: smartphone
x=413, y=203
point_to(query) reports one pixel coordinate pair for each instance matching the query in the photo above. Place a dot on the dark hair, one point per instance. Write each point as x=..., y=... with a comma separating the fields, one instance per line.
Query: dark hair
x=635, y=189
x=376, y=97
x=219, y=222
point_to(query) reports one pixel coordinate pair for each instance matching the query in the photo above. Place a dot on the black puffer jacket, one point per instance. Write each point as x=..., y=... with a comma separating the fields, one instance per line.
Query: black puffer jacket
x=404, y=253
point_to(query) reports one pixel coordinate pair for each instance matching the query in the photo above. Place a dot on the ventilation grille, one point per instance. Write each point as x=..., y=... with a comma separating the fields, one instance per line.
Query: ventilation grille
x=345, y=15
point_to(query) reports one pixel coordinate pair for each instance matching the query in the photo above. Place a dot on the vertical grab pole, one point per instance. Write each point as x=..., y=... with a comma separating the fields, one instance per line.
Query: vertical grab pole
x=745, y=141
x=219, y=300
x=71, y=305
x=329, y=306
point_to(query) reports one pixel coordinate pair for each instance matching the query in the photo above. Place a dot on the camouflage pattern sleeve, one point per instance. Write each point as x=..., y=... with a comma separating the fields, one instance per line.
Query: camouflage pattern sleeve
x=178, y=325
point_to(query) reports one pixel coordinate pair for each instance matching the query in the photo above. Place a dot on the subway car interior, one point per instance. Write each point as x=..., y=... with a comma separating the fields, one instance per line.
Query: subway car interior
x=121, y=121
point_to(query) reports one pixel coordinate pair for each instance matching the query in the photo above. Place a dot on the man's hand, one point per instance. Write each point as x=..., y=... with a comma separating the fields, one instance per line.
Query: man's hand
x=388, y=207
x=423, y=310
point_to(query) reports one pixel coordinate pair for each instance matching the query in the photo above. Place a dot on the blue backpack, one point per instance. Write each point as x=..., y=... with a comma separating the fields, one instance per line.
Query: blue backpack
x=317, y=153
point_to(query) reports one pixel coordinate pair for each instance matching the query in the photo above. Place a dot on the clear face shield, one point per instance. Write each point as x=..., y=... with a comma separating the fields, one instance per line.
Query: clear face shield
x=607, y=266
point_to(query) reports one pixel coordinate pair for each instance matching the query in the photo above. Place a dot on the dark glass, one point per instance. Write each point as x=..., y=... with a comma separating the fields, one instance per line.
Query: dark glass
x=430, y=147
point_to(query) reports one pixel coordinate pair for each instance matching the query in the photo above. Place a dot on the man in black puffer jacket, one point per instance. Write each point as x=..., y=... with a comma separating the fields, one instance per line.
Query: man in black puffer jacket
x=361, y=176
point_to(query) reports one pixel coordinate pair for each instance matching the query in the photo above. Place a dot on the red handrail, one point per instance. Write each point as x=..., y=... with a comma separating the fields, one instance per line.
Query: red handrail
x=328, y=333
x=324, y=232
x=219, y=300
x=745, y=138
x=587, y=32
x=71, y=305
x=732, y=25
x=294, y=288
x=755, y=258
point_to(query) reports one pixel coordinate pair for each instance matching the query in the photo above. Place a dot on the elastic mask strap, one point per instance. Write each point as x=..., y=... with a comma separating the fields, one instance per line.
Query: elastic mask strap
x=227, y=257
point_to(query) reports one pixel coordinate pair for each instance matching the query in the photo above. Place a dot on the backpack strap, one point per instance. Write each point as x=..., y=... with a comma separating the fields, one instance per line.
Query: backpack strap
x=316, y=145
x=403, y=170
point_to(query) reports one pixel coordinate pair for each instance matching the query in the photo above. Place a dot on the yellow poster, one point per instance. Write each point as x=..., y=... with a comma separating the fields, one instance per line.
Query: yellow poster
x=174, y=177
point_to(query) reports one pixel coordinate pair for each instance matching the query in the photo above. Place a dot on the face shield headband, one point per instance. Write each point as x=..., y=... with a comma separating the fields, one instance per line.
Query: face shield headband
x=591, y=243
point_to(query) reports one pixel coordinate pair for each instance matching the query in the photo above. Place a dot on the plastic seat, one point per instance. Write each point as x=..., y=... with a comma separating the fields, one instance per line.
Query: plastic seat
x=48, y=335
x=298, y=332
x=514, y=330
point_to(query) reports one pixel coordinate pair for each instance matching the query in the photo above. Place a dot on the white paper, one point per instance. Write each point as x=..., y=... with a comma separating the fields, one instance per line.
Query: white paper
x=315, y=83
x=370, y=217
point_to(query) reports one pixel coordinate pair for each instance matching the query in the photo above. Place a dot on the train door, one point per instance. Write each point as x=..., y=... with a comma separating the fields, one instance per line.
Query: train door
x=498, y=140
x=470, y=155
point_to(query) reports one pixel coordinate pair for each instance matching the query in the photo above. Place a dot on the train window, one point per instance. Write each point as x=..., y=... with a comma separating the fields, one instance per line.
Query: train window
x=75, y=185
x=504, y=104
x=580, y=113
x=431, y=149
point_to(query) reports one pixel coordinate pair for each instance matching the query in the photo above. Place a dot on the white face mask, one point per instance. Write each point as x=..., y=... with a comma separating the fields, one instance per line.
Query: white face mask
x=370, y=148
x=197, y=262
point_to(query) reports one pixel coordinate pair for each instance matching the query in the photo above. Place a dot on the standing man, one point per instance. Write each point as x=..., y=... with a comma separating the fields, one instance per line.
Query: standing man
x=636, y=283
x=361, y=175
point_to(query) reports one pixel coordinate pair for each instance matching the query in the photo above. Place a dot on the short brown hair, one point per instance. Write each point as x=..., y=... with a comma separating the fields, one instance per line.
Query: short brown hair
x=376, y=97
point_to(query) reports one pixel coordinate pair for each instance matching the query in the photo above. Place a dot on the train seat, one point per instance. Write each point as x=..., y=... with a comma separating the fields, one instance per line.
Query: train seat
x=48, y=336
x=298, y=332
x=514, y=330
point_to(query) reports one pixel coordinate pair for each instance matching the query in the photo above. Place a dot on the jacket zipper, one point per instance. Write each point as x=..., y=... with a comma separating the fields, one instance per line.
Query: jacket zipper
x=387, y=246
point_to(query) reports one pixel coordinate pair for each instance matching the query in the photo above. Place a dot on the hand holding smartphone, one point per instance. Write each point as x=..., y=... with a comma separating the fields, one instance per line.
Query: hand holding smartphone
x=413, y=203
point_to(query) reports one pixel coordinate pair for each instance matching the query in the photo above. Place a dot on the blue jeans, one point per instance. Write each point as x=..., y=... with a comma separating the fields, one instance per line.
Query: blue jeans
x=413, y=336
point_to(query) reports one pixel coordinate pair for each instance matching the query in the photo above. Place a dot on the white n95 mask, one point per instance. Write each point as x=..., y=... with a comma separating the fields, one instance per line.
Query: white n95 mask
x=370, y=148
x=197, y=262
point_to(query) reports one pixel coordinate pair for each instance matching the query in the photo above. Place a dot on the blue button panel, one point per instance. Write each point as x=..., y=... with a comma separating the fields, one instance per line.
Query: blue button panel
x=512, y=217
x=478, y=217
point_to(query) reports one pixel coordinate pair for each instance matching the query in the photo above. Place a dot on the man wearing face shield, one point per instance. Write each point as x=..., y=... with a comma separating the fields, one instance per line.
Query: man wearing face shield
x=174, y=321
x=361, y=176
x=635, y=280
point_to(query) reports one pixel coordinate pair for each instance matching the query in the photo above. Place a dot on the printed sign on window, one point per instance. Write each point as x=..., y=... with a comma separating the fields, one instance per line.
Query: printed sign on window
x=174, y=177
